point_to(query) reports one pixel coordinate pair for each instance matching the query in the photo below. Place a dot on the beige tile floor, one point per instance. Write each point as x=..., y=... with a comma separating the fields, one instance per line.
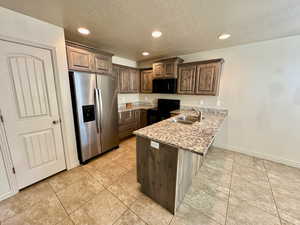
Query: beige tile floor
x=231, y=188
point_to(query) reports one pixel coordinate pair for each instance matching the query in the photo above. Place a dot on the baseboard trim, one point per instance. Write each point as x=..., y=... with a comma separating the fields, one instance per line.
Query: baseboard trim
x=260, y=155
x=7, y=195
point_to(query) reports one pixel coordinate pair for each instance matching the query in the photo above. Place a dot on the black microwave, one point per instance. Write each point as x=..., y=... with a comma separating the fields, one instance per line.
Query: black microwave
x=165, y=85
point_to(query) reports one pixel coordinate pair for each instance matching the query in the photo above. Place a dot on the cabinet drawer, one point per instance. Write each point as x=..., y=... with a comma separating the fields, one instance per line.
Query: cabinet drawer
x=126, y=130
x=128, y=117
x=128, y=127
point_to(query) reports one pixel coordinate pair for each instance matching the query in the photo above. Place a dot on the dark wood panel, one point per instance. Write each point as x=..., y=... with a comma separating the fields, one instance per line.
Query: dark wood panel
x=166, y=68
x=124, y=80
x=134, y=81
x=158, y=69
x=128, y=117
x=79, y=59
x=146, y=81
x=208, y=79
x=128, y=79
x=103, y=64
x=157, y=171
x=143, y=118
x=186, y=79
x=88, y=59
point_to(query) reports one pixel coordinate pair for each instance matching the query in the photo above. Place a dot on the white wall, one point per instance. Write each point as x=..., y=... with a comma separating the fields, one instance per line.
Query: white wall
x=21, y=28
x=260, y=85
x=124, y=61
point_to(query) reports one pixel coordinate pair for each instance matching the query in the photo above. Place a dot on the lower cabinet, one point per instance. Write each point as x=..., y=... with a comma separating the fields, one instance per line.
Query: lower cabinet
x=143, y=118
x=132, y=120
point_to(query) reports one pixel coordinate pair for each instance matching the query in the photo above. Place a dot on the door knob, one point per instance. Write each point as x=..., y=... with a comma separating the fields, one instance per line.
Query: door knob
x=55, y=121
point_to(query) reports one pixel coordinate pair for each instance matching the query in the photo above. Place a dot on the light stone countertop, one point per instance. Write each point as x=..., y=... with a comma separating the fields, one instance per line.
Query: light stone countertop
x=196, y=138
x=123, y=109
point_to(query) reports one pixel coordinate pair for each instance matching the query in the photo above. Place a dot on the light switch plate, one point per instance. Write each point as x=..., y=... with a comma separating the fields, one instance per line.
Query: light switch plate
x=154, y=144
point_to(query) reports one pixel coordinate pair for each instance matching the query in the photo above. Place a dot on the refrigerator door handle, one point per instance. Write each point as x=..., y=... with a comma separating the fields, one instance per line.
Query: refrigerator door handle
x=100, y=102
x=97, y=109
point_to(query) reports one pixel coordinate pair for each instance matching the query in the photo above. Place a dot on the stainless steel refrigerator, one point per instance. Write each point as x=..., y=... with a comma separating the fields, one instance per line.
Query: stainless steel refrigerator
x=95, y=107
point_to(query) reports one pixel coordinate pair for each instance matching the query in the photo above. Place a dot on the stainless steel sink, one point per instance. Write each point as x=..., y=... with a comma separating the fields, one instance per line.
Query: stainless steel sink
x=186, y=119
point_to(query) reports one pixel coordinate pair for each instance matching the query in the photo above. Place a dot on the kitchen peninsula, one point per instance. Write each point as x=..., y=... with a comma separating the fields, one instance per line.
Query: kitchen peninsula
x=169, y=154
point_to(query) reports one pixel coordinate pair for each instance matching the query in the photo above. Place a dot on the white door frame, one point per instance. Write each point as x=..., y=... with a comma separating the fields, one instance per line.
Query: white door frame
x=70, y=154
x=7, y=163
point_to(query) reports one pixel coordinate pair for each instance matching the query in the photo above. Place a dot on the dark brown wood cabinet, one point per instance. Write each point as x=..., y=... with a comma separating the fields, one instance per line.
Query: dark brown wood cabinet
x=134, y=80
x=208, y=79
x=143, y=118
x=146, y=81
x=131, y=120
x=128, y=79
x=158, y=69
x=200, y=78
x=186, y=79
x=103, y=64
x=86, y=59
x=166, y=68
x=79, y=59
x=124, y=80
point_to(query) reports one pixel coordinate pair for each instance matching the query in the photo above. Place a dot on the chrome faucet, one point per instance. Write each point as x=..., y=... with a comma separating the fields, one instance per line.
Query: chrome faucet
x=199, y=113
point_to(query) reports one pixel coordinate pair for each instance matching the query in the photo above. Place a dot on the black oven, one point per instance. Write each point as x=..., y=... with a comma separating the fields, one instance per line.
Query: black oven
x=165, y=85
x=163, y=110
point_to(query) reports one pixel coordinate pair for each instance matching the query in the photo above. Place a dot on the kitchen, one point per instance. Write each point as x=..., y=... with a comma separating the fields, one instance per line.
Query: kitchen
x=154, y=135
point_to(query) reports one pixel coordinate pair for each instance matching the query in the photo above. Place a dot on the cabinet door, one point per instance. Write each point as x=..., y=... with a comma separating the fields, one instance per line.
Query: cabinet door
x=134, y=81
x=146, y=81
x=158, y=69
x=79, y=59
x=124, y=80
x=127, y=117
x=186, y=80
x=207, y=81
x=115, y=71
x=103, y=64
x=143, y=118
x=170, y=69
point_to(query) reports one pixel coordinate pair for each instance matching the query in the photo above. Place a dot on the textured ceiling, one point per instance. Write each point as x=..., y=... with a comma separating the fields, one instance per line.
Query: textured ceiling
x=124, y=27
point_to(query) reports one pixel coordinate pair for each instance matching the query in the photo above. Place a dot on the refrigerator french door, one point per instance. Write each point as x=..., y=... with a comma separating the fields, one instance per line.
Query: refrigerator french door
x=95, y=107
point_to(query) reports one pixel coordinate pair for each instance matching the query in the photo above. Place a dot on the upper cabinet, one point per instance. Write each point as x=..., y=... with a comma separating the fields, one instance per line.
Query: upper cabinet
x=186, y=79
x=208, y=78
x=128, y=79
x=146, y=81
x=82, y=58
x=200, y=78
x=135, y=80
x=103, y=64
x=166, y=68
x=79, y=59
x=124, y=80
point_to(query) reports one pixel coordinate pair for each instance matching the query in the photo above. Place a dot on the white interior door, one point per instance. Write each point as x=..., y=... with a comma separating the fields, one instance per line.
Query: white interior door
x=29, y=107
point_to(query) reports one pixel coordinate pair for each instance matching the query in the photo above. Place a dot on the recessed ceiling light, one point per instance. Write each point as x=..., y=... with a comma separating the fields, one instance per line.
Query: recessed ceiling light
x=156, y=34
x=224, y=36
x=83, y=30
x=145, y=53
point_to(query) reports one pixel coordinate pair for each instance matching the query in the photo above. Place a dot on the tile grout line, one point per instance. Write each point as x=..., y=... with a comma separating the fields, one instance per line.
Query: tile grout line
x=229, y=190
x=138, y=215
x=279, y=217
x=68, y=215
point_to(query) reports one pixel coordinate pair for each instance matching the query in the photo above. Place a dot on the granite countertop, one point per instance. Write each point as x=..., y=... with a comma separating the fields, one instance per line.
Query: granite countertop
x=123, y=109
x=196, y=138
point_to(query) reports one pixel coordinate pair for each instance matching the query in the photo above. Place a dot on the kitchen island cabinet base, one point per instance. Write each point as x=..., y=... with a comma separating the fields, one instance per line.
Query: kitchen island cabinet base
x=165, y=173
